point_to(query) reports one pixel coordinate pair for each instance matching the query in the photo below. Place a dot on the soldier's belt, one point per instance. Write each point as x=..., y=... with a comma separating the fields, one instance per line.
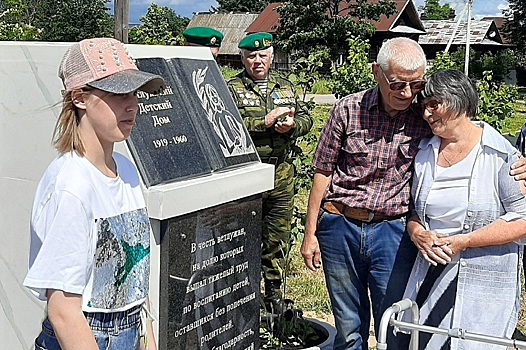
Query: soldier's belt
x=273, y=160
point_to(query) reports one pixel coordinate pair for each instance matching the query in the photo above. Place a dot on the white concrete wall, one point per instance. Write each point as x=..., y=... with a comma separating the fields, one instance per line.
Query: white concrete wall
x=29, y=106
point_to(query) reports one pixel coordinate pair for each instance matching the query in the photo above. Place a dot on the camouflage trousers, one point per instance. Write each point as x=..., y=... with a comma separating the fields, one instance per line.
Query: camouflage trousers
x=277, y=217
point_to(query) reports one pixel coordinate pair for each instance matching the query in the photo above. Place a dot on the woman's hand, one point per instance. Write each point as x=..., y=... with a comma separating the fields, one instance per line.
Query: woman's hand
x=518, y=169
x=434, y=248
x=149, y=342
x=455, y=243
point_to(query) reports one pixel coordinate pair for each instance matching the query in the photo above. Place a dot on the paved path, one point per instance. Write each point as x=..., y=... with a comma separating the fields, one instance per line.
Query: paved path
x=322, y=99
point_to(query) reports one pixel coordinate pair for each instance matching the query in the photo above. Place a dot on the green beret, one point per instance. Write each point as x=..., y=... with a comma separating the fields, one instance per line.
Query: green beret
x=256, y=41
x=203, y=36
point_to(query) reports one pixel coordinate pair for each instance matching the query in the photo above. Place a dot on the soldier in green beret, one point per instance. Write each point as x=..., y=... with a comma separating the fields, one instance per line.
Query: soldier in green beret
x=274, y=116
x=204, y=36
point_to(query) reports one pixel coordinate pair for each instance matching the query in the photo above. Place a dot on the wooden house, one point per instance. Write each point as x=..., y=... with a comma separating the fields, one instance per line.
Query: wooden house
x=484, y=36
x=233, y=26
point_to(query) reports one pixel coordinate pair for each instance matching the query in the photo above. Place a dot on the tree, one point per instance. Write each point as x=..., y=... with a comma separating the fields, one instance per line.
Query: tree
x=16, y=20
x=162, y=26
x=515, y=24
x=433, y=10
x=72, y=20
x=54, y=20
x=254, y=6
x=499, y=64
x=309, y=25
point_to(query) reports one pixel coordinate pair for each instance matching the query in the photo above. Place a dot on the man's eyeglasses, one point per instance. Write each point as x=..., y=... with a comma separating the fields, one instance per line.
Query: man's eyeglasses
x=400, y=85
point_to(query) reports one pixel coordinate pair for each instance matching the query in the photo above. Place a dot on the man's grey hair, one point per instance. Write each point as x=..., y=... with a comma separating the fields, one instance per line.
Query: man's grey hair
x=244, y=52
x=402, y=52
x=454, y=90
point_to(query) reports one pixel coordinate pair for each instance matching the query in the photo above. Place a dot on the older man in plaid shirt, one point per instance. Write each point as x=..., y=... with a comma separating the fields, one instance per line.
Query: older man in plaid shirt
x=360, y=194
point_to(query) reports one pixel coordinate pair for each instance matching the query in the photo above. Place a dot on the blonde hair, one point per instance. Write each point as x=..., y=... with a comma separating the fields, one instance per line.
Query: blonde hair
x=66, y=137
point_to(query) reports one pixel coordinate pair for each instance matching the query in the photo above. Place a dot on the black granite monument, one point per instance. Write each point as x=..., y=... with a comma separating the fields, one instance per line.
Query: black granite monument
x=210, y=259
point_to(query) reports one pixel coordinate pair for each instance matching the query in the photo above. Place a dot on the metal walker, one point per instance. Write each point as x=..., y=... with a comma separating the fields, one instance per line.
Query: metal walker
x=389, y=319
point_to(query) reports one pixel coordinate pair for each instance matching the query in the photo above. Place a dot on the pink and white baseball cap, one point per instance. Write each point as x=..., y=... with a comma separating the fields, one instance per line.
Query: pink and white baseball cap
x=105, y=64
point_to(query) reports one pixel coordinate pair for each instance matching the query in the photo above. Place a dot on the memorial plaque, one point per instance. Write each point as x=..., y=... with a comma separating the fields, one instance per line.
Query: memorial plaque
x=192, y=128
x=210, y=277
x=164, y=142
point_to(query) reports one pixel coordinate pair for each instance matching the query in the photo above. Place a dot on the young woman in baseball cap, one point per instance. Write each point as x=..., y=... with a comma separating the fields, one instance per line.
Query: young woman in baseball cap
x=90, y=233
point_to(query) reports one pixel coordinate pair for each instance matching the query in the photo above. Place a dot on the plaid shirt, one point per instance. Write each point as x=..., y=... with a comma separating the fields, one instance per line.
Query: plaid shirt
x=370, y=153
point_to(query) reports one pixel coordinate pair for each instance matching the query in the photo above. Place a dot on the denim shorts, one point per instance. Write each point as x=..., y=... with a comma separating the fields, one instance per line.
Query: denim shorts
x=112, y=331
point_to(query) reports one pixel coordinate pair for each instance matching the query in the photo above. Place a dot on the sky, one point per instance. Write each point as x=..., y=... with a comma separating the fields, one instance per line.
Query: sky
x=481, y=8
x=186, y=8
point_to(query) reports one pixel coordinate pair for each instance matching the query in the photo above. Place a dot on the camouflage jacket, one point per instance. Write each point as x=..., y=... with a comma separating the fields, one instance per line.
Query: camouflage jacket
x=253, y=106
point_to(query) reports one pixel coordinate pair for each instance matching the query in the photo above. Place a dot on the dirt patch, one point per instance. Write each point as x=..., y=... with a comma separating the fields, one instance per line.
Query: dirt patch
x=326, y=318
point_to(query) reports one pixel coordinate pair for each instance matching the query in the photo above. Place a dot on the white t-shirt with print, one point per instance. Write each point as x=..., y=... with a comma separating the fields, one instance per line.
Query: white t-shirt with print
x=90, y=235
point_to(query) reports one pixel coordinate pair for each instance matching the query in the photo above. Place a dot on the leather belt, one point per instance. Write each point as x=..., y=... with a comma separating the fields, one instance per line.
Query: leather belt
x=357, y=214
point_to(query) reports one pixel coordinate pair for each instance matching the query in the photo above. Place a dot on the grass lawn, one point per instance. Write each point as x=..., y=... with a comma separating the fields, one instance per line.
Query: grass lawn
x=307, y=289
x=520, y=117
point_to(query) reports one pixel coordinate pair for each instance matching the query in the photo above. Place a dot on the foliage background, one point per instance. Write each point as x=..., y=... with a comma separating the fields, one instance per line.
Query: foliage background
x=162, y=26
x=52, y=20
x=308, y=26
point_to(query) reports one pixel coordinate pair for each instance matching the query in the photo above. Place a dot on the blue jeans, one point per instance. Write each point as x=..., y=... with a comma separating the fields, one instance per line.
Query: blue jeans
x=359, y=259
x=112, y=331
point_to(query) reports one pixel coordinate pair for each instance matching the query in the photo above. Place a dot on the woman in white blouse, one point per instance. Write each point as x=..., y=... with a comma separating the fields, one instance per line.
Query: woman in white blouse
x=469, y=214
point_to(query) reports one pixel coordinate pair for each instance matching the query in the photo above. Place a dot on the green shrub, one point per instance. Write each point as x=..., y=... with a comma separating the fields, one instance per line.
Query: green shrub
x=496, y=103
x=321, y=87
x=306, y=71
x=442, y=61
x=303, y=150
x=355, y=74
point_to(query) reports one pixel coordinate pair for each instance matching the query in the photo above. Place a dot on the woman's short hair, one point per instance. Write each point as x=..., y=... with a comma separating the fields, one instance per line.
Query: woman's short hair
x=401, y=52
x=66, y=137
x=454, y=90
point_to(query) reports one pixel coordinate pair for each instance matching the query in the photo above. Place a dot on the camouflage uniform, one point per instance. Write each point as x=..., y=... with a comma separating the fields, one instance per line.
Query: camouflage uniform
x=273, y=148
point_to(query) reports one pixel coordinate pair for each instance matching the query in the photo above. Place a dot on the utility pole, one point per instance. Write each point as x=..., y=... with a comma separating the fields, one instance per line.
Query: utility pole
x=468, y=37
x=467, y=8
x=456, y=28
x=122, y=19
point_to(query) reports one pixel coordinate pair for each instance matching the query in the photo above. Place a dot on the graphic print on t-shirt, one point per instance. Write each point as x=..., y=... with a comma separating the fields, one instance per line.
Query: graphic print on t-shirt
x=122, y=260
